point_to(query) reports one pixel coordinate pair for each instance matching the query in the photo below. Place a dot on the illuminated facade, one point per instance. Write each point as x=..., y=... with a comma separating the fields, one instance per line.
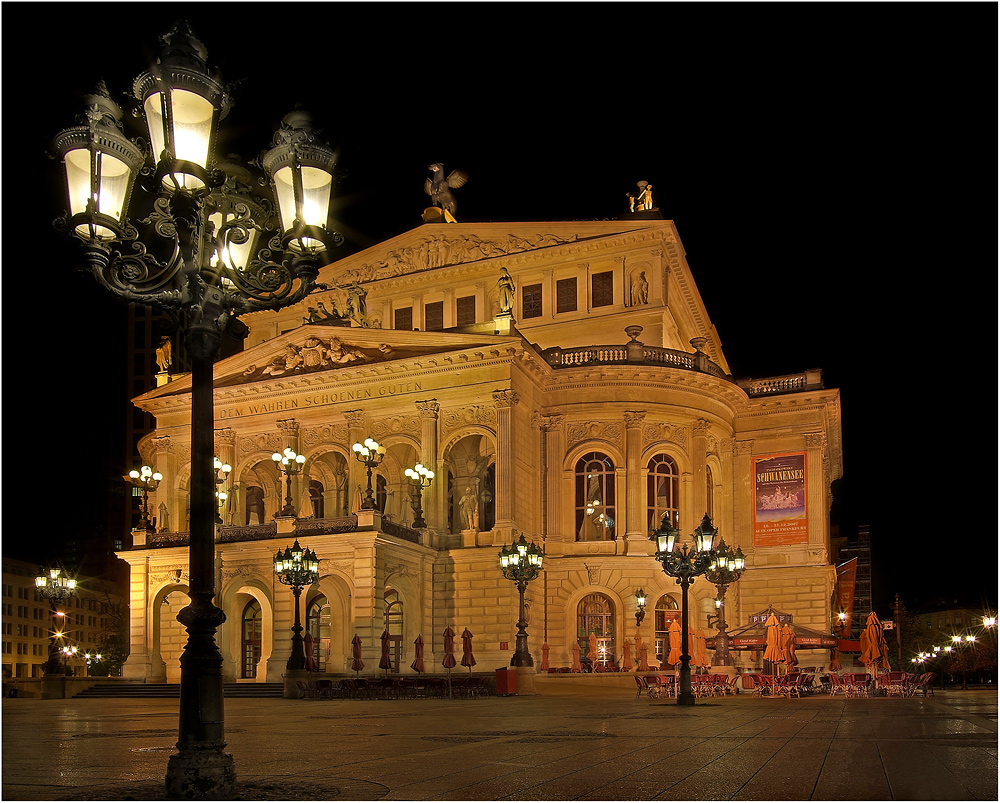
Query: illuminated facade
x=598, y=403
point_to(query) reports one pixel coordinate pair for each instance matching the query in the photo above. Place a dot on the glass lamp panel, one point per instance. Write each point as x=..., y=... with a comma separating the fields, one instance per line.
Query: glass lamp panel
x=193, y=116
x=153, y=107
x=284, y=189
x=316, y=188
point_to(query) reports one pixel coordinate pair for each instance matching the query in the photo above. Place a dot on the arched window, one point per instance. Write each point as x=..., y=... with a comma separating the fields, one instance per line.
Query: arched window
x=318, y=624
x=394, y=627
x=595, y=498
x=666, y=612
x=662, y=491
x=316, y=498
x=250, y=647
x=596, y=615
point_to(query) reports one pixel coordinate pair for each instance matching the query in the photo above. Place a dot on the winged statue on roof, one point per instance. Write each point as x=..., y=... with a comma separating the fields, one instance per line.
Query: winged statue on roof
x=439, y=187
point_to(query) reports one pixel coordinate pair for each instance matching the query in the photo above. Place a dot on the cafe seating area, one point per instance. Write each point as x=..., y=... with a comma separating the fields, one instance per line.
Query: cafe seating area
x=458, y=686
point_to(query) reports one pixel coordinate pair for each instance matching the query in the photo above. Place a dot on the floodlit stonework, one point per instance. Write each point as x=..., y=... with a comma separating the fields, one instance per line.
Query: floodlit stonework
x=599, y=401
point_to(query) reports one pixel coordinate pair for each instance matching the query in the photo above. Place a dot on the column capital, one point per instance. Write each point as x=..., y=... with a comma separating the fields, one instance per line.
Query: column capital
x=355, y=418
x=505, y=399
x=633, y=419
x=289, y=427
x=428, y=409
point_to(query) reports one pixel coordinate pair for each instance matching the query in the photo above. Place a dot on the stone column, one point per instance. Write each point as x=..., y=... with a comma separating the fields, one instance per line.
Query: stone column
x=137, y=665
x=225, y=450
x=555, y=434
x=167, y=492
x=699, y=476
x=742, y=535
x=434, y=495
x=816, y=487
x=635, y=514
x=505, y=401
x=357, y=474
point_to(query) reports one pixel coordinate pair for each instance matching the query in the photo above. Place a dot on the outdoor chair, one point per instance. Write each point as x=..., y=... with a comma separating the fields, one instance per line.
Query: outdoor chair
x=925, y=684
x=640, y=687
x=324, y=689
x=837, y=685
x=306, y=690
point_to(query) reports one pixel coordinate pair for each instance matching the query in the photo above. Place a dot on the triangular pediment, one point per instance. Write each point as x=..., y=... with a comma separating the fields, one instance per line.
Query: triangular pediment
x=320, y=351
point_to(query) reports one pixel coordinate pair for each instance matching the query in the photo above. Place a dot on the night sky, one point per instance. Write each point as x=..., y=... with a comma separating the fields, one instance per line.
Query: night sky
x=830, y=168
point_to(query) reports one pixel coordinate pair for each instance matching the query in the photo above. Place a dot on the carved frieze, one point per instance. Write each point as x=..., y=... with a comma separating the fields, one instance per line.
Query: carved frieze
x=440, y=252
x=476, y=414
x=406, y=424
x=310, y=437
x=261, y=442
x=675, y=433
x=247, y=571
x=610, y=431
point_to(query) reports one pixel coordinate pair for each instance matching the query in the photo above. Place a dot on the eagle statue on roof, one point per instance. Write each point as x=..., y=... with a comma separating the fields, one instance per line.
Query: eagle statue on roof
x=439, y=187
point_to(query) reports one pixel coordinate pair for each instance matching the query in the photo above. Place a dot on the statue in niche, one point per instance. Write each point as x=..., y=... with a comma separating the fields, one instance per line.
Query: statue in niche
x=164, y=518
x=163, y=354
x=639, y=290
x=642, y=201
x=439, y=187
x=505, y=287
x=255, y=503
x=469, y=505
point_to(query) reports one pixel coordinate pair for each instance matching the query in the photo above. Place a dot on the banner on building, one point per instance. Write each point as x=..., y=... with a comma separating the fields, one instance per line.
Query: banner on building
x=846, y=575
x=780, y=500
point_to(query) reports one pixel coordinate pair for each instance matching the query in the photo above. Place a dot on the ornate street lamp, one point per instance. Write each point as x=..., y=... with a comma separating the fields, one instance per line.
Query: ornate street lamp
x=183, y=263
x=56, y=587
x=420, y=476
x=684, y=564
x=222, y=471
x=299, y=569
x=726, y=568
x=290, y=464
x=147, y=479
x=371, y=453
x=640, y=606
x=521, y=562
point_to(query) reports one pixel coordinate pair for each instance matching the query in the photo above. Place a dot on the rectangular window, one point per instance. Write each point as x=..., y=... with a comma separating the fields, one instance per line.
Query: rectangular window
x=434, y=316
x=531, y=301
x=403, y=318
x=602, y=289
x=465, y=311
x=566, y=295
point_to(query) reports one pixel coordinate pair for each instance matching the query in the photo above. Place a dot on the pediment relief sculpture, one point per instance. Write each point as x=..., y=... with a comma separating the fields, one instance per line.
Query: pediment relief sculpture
x=318, y=354
x=440, y=252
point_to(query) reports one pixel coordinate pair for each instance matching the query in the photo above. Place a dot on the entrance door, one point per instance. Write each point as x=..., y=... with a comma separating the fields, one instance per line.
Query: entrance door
x=252, y=629
x=394, y=625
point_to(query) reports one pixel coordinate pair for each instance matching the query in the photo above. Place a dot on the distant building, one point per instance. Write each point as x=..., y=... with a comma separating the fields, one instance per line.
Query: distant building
x=578, y=403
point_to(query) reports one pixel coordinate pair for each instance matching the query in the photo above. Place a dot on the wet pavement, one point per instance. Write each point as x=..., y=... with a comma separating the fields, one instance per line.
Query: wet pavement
x=595, y=743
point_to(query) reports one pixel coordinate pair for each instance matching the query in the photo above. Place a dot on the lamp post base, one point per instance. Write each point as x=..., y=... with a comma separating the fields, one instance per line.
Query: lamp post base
x=526, y=680
x=201, y=775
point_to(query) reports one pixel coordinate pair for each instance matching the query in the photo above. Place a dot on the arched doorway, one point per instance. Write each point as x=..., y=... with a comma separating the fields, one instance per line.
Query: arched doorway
x=318, y=624
x=250, y=643
x=596, y=614
x=664, y=614
x=394, y=627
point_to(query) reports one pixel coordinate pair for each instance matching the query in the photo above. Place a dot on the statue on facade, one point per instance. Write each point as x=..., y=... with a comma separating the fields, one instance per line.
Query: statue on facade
x=163, y=354
x=505, y=288
x=639, y=293
x=644, y=199
x=439, y=187
x=164, y=518
x=469, y=505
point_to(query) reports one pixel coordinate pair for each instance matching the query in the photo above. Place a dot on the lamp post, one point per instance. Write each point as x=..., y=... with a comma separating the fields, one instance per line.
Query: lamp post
x=56, y=587
x=222, y=471
x=371, y=453
x=726, y=568
x=521, y=562
x=178, y=256
x=420, y=477
x=147, y=479
x=684, y=564
x=299, y=569
x=290, y=464
x=640, y=603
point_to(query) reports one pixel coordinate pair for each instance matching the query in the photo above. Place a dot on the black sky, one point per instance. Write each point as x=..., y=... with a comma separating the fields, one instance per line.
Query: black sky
x=830, y=168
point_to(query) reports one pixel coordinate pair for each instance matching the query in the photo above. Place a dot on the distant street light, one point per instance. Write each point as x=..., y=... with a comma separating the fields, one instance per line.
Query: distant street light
x=521, y=562
x=56, y=587
x=290, y=464
x=147, y=479
x=299, y=569
x=371, y=453
x=420, y=477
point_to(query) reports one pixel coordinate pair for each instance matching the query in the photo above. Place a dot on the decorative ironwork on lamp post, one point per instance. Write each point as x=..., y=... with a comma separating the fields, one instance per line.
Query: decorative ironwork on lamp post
x=222, y=471
x=148, y=480
x=685, y=564
x=726, y=568
x=184, y=254
x=298, y=568
x=371, y=453
x=290, y=464
x=56, y=587
x=420, y=477
x=521, y=562
x=640, y=606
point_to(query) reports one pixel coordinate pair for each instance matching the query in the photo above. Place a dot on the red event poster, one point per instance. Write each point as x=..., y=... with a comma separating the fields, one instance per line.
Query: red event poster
x=780, y=500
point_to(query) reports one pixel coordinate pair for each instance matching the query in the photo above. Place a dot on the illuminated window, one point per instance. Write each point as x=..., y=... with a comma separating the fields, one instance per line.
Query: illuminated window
x=595, y=615
x=595, y=498
x=662, y=491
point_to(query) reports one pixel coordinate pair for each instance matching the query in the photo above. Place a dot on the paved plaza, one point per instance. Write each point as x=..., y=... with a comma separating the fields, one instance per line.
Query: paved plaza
x=569, y=743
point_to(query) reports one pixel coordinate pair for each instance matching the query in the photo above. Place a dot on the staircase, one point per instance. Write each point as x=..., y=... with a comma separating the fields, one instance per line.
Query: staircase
x=138, y=690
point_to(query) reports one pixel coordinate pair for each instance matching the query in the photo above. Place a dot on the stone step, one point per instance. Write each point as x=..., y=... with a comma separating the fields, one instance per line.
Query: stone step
x=172, y=690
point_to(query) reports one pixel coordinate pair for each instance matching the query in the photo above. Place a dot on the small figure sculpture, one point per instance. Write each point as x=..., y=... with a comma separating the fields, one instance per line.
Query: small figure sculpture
x=505, y=286
x=163, y=356
x=326, y=314
x=439, y=187
x=644, y=200
x=357, y=303
x=470, y=509
x=640, y=289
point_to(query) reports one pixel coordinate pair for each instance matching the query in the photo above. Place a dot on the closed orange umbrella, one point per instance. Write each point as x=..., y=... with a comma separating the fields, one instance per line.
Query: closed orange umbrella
x=626, y=656
x=788, y=645
x=383, y=660
x=874, y=651
x=577, y=666
x=700, y=651
x=545, y=657
x=356, y=664
x=449, y=654
x=773, y=651
x=592, y=649
x=674, y=636
x=418, y=654
x=642, y=651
